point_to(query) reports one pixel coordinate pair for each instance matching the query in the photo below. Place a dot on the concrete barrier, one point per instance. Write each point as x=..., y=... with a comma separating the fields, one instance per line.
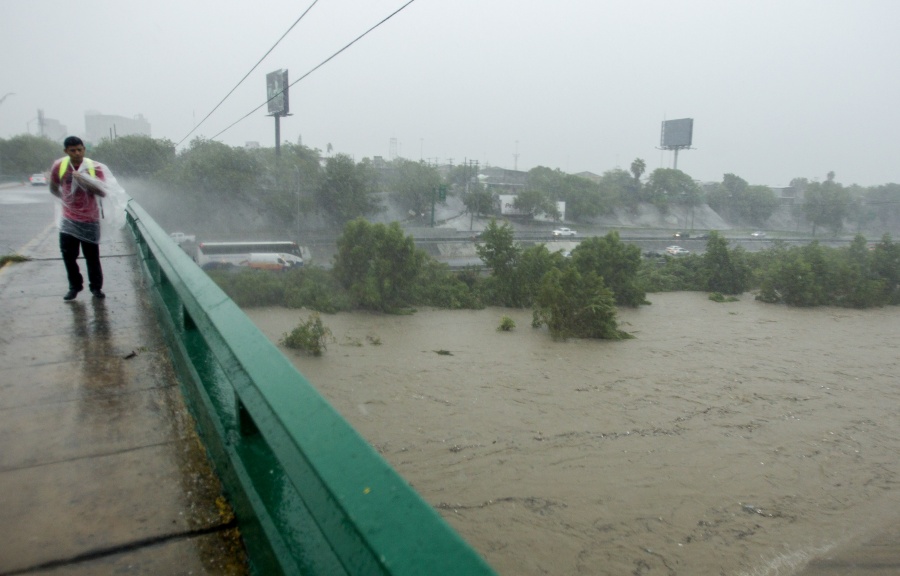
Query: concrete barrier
x=310, y=494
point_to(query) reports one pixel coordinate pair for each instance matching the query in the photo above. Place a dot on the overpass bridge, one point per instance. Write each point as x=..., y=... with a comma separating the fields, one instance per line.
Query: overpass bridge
x=102, y=469
x=159, y=432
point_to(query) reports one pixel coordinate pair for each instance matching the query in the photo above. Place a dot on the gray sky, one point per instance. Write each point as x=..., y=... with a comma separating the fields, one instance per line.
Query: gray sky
x=777, y=88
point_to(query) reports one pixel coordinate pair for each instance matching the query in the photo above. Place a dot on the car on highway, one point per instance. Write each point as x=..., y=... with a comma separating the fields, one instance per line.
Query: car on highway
x=681, y=235
x=677, y=251
x=564, y=232
x=38, y=180
x=758, y=234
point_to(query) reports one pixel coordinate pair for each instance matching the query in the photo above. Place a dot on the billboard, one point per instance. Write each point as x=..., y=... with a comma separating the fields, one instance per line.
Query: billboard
x=277, y=92
x=677, y=133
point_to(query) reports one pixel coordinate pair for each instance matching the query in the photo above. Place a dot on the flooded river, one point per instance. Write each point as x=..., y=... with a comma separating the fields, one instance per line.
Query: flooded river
x=737, y=438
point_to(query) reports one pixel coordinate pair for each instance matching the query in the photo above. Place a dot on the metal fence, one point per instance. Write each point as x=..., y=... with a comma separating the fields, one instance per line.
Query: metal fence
x=311, y=495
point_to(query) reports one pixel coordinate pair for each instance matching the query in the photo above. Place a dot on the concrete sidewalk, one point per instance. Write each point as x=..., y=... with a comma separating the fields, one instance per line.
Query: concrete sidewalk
x=100, y=468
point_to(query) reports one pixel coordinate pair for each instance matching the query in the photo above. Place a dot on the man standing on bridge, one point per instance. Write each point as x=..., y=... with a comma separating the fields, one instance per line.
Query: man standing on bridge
x=75, y=180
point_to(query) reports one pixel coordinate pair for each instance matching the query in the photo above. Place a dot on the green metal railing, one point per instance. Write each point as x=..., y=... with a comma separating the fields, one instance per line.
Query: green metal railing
x=311, y=496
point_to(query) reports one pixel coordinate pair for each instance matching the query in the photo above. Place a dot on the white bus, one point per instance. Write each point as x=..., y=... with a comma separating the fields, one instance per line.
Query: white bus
x=227, y=254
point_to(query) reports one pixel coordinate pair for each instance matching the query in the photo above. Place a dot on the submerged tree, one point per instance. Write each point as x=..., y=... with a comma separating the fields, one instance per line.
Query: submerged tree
x=573, y=305
x=614, y=261
x=726, y=271
x=377, y=264
x=499, y=252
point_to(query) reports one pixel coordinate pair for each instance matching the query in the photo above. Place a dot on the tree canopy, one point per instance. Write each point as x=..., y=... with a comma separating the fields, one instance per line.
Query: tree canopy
x=827, y=204
x=668, y=186
x=348, y=189
x=23, y=155
x=411, y=185
x=135, y=156
x=377, y=264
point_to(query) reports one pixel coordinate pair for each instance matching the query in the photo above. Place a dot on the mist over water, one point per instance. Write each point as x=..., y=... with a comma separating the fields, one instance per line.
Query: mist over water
x=738, y=438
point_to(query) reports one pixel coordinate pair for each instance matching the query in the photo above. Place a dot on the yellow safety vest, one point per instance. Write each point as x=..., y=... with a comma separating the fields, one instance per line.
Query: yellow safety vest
x=65, y=164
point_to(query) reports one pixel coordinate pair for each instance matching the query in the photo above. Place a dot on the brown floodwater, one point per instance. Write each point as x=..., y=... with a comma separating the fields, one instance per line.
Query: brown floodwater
x=726, y=438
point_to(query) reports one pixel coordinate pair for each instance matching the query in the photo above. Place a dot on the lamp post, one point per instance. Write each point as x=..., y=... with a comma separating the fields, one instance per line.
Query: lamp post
x=299, y=191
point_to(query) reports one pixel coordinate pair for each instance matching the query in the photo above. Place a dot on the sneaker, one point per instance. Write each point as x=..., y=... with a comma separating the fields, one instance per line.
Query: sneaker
x=97, y=294
x=71, y=294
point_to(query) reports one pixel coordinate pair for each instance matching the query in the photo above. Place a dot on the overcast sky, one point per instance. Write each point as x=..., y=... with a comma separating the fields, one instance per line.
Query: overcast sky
x=776, y=88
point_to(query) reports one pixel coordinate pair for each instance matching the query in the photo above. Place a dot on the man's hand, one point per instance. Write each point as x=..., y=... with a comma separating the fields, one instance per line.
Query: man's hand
x=88, y=185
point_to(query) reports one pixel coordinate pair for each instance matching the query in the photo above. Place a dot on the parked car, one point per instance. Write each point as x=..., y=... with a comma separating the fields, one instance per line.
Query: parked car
x=677, y=251
x=758, y=234
x=564, y=232
x=38, y=180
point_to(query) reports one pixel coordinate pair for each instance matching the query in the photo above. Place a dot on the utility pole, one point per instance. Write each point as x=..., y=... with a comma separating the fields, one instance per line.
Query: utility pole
x=516, y=158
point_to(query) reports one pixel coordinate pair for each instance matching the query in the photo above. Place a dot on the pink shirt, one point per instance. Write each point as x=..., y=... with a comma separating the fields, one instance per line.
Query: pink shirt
x=80, y=206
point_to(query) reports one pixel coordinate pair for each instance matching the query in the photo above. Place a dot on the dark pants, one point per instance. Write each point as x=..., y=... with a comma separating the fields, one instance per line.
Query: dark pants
x=69, y=246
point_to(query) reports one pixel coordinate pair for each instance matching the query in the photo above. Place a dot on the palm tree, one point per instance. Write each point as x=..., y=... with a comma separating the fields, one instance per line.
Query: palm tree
x=638, y=167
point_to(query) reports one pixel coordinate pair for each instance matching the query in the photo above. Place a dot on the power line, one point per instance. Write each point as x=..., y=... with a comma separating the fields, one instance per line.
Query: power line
x=354, y=41
x=297, y=21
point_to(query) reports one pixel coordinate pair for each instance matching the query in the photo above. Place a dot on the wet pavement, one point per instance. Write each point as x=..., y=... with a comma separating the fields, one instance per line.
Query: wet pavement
x=100, y=468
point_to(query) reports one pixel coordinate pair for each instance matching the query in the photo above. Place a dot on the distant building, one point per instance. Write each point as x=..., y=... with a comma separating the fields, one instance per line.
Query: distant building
x=53, y=130
x=99, y=127
x=252, y=145
x=587, y=175
x=508, y=208
x=502, y=180
x=788, y=194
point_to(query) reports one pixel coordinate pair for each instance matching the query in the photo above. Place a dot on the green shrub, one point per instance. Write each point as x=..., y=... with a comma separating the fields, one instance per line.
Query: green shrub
x=310, y=336
x=671, y=274
x=724, y=270
x=576, y=305
x=506, y=324
x=616, y=262
x=719, y=297
x=377, y=264
x=437, y=286
x=316, y=289
x=250, y=288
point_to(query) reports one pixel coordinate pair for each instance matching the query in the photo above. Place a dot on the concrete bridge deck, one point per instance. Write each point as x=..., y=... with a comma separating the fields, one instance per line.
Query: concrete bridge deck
x=101, y=471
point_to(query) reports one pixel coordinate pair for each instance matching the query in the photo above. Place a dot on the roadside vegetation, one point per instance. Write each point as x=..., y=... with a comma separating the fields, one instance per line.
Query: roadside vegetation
x=861, y=275
x=235, y=187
